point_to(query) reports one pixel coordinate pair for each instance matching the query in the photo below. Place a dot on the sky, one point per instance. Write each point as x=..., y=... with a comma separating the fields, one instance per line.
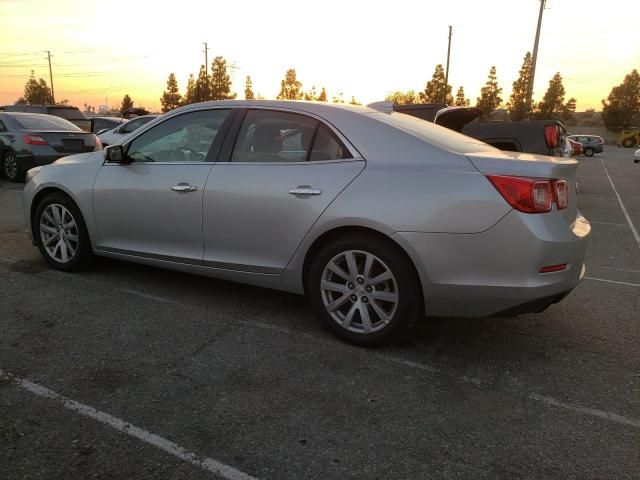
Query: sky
x=366, y=49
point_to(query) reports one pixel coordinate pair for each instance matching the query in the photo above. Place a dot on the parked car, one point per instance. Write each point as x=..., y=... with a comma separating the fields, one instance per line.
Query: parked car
x=636, y=156
x=378, y=217
x=576, y=147
x=543, y=137
x=116, y=134
x=590, y=143
x=73, y=114
x=31, y=139
x=102, y=124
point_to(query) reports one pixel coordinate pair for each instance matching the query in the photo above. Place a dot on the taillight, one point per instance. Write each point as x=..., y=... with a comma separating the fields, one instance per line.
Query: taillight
x=531, y=195
x=551, y=135
x=34, y=140
x=561, y=193
x=98, y=144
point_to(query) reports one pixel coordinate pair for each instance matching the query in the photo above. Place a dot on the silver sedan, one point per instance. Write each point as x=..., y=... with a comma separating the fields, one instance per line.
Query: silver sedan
x=378, y=217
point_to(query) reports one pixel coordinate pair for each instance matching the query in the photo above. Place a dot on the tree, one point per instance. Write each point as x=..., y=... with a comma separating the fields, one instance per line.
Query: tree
x=553, y=101
x=36, y=92
x=337, y=98
x=437, y=90
x=21, y=101
x=518, y=104
x=190, y=94
x=323, y=95
x=461, y=100
x=403, y=98
x=126, y=103
x=354, y=101
x=290, y=87
x=311, y=95
x=569, y=108
x=171, y=98
x=622, y=107
x=248, y=89
x=489, y=98
x=220, y=81
x=202, y=85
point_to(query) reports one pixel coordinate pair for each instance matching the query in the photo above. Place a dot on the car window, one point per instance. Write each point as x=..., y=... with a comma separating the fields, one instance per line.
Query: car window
x=136, y=123
x=43, y=122
x=272, y=136
x=185, y=138
x=2, y=127
x=33, y=110
x=68, y=113
x=326, y=146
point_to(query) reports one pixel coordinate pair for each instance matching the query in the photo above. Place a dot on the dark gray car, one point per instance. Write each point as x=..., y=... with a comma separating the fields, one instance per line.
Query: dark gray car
x=590, y=143
x=31, y=139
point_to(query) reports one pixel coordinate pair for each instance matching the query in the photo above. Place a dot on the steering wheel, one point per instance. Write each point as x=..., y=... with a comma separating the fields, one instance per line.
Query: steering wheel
x=199, y=157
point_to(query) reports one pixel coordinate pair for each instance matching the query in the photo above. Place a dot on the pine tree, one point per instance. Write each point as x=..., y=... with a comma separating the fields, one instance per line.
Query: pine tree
x=248, y=89
x=354, y=101
x=311, y=95
x=461, y=100
x=290, y=87
x=220, y=81
x=437, y=90
x=36, y=92
x=518, y=105
x=489, y=98
x=202, y=85
x=127, y=102
x=622, y=107
x=323, y=95
x=190, y=92
x=337, y=98
x=171, y=97
x=553, y=101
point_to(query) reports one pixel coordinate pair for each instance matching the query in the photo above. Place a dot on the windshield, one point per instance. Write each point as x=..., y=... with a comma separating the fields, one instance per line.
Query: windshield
x=30, y=121
x=434, y=134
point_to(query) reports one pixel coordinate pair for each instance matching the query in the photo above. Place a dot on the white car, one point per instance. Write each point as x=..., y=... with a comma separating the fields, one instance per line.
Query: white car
x=636, y=156
x=113, y=136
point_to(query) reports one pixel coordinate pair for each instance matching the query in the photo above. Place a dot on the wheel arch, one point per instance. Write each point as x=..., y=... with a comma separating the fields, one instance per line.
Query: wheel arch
x=36, y=201
x=345, y=231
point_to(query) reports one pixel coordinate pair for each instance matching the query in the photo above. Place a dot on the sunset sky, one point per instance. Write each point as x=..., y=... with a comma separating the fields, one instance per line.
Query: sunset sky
x=102, y=50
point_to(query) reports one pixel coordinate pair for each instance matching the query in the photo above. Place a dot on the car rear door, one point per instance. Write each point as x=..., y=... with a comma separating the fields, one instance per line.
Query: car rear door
x=152, y=207
x=270, y=186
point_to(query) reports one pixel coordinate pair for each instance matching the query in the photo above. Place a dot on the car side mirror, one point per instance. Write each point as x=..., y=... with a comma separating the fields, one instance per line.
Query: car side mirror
x=116, y=154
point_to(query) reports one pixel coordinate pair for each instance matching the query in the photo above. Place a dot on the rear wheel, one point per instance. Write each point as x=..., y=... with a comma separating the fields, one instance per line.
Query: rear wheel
x=61, y=233
x=10, y=167
x=589, y=152
x=364, y=289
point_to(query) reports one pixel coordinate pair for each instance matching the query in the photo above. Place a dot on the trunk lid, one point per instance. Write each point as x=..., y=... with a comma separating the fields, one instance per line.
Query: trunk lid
x=68, y=141
x=528, y=165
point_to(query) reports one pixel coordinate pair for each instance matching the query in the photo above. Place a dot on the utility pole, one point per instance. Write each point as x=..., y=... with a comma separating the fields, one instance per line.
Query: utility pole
x=446, y=75
x=534, y=58
x=53, y=97
x=206, y=70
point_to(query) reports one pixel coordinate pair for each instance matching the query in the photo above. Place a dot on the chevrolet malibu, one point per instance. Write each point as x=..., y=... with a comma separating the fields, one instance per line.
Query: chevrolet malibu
x=378, y=217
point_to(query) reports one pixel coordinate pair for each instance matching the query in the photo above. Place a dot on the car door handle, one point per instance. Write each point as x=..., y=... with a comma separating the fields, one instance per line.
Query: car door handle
x=184, y=187
x=305, y=190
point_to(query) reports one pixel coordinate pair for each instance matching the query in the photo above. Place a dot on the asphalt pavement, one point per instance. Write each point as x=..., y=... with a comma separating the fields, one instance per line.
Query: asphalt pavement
x=127, y=371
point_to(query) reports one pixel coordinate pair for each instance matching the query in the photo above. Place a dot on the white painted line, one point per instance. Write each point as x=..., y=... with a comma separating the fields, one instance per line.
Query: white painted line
x=612, y=281
x=621, y=269
x=624, y=209
x=225, y=471
x=594, y=222
x=612, y=417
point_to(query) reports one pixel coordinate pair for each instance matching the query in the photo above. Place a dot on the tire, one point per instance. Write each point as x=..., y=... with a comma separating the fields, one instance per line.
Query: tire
x=74, y=252
x=391, y=304
x=589, y=152
x=628, y=143
x=10, y=168
x=636, y=160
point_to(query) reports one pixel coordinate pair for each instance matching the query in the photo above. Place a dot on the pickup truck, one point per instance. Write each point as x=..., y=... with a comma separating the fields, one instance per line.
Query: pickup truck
x=543, y=137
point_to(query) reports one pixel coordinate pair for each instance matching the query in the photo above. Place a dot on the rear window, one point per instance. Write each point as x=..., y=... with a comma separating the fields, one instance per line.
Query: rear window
x=68, y=113
x=44, y=122
x=434, y=134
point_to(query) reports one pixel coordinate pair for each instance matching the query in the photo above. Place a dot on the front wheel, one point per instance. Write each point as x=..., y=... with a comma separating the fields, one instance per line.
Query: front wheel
x=365, y=289
x=589, y=152
x=61, y=233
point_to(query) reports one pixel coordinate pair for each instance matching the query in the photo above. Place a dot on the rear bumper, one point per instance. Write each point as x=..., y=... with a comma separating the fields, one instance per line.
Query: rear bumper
x=496, y=271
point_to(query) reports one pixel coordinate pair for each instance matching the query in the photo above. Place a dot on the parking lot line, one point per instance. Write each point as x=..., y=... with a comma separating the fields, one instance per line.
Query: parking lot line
x=606, y=280
x=612, y=417
x=624, y=209
x=225, y=471
x=594, y=222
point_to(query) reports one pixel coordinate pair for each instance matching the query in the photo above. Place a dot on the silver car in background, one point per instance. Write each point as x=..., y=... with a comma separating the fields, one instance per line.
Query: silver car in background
x=378, y=217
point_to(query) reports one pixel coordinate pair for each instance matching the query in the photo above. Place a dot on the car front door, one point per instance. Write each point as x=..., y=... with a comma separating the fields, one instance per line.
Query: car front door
x=265, y=194
x=152, y=206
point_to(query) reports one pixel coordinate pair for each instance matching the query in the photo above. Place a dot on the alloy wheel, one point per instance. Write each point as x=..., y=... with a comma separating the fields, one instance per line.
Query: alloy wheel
x=10, y=166
x=359, y=291
x=59, y=233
